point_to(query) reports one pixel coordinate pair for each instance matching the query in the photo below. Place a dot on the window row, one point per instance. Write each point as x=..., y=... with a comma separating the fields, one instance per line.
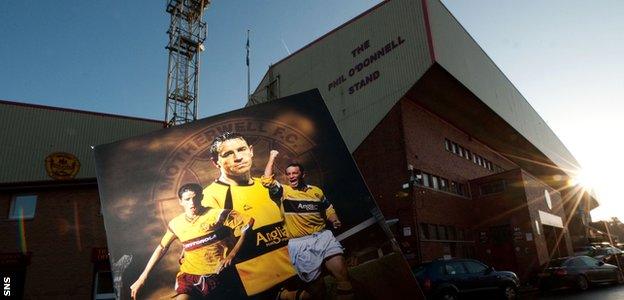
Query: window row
x=492, y=187
x=477, y=159
x=444, y=232
x=437, y=182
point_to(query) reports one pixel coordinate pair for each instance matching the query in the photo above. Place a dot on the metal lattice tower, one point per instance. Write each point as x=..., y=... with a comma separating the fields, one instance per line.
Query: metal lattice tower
x=187, y=32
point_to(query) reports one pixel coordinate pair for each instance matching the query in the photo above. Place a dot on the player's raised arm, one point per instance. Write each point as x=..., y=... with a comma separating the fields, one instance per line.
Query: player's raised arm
x=156, y=256
x=268, y=170
x=275, y=189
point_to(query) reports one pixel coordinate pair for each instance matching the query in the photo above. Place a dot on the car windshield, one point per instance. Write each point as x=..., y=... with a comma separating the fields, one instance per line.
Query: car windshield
x=601, y=251
x=557, y=262
x=420, y=270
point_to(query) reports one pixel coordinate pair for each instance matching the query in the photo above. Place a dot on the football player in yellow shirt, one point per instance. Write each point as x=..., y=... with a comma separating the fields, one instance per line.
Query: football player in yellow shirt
x=263, y=264
x=208, y=237
x=310, y=245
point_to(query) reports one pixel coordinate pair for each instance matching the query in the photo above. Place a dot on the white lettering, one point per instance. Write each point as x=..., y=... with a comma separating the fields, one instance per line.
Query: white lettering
x=7, y=286
x=200, y=242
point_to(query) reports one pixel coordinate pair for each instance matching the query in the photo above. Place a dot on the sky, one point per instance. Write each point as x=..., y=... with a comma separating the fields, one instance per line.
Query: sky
x=564, y=56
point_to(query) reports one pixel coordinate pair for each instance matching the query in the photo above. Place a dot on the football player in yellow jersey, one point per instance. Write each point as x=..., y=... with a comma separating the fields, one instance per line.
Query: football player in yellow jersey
x=310, y=245
x=263, y=264
x=208, y=237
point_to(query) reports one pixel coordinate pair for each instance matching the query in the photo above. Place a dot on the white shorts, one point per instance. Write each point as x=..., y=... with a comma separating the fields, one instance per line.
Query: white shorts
x=308, y=253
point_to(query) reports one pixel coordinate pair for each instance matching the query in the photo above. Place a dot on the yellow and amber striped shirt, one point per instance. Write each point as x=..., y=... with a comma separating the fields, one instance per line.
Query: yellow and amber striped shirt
x=206, y=239
x=263, y=260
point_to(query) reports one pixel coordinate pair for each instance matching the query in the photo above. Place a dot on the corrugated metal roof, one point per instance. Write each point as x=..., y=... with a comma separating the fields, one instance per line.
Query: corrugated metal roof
x=32, y=132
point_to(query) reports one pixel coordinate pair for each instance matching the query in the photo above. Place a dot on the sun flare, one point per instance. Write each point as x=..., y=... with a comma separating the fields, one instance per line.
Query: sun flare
x=583, y=179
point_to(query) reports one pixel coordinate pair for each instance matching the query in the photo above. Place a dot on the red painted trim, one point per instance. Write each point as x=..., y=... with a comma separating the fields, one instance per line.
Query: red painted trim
x=428, y=28
x=334, y=30
x=76, y=111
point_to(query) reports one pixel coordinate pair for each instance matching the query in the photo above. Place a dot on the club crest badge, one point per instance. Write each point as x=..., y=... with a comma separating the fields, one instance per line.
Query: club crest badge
x=62, y=166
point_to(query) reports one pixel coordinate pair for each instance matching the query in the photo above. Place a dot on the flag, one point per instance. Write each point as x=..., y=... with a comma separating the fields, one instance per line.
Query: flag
x=247, y=60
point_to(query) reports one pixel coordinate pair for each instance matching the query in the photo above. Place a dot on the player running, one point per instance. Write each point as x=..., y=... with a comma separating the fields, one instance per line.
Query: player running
x=208, y=237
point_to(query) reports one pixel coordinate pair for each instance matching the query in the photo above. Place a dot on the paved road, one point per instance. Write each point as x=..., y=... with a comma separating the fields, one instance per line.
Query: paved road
x=605, y=292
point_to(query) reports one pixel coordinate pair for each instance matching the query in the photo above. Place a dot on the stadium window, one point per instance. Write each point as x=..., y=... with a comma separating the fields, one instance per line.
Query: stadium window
x=453, y=187
x=454, y=147
x=489, y=165
x=426, y=179
x=433, y=232
x=441, y=232
x=434, y=180
x=474, y=158
x=424, y=231
x=444, y=184
x=460, y=189
x=23, y=207
x=492, y=187
x=468, y=155
x=460, y=151
x=451, y=233
x=447, y=144
x=417, y=177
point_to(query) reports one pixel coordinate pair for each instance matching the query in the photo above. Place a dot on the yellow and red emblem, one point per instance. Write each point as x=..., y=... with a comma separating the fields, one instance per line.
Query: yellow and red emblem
x=62, y=166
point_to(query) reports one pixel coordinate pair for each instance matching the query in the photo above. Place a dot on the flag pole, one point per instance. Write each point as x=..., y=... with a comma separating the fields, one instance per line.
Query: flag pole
x=247, y=60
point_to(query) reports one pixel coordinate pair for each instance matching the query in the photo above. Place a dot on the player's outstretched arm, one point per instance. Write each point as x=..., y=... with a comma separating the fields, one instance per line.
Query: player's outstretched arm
x=228, y=259
x=330, y=213
x=156, y=256
x=333, y=219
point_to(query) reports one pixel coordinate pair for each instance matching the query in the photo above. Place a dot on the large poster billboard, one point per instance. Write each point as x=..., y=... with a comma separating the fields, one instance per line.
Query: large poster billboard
x=262, y=202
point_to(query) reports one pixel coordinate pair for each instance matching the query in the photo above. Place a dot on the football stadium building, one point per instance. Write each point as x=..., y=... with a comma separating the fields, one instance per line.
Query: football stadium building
x=53, y=242
x=451, y=150
x=458, y=161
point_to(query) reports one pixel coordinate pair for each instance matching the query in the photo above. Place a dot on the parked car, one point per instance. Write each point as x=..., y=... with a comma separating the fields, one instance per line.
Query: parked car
x=608, y=254
x=455, y=278
x=578, y=272
x=600, y=244
x=585, y=250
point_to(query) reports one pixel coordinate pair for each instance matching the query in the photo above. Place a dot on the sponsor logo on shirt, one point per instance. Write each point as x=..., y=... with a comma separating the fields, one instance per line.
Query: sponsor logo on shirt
x=308, y=207
x=198, y=243
x=301, y=206
x=274, y=237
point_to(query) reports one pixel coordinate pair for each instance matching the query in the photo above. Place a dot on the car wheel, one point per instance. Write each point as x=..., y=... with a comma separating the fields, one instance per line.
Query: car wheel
x=581, y=283
x=447, y=295
x=510, y=292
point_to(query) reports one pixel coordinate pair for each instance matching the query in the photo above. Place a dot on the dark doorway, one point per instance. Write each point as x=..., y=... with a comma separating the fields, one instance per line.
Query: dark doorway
x=503, y=256
x=555, y=241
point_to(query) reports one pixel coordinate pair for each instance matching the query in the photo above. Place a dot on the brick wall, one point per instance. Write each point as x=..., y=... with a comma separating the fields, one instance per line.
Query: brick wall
x=60, y=238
